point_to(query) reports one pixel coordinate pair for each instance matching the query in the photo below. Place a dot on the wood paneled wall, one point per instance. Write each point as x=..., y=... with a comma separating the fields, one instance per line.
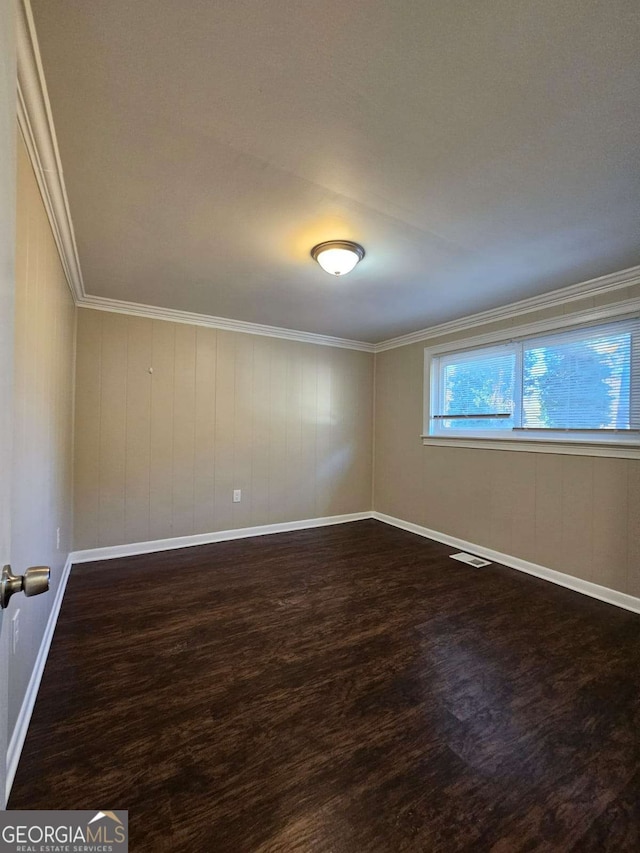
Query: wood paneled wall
x=42, y=479
x=158, y=454
x=7, y=292
x=576, y=514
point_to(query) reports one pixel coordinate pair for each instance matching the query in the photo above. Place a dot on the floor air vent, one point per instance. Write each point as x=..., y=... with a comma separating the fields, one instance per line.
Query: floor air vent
x=476, y=562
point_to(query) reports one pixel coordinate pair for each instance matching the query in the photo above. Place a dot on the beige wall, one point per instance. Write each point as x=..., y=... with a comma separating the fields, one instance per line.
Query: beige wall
x=575, y=514
x=43, y=408
x=7, y=288
x=158, y=455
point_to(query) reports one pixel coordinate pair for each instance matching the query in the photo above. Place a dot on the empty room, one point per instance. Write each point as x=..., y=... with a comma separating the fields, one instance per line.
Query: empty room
x=319, y=426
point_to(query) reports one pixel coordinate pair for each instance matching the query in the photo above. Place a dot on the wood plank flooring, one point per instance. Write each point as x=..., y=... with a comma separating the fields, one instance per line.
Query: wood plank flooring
x=339, y=690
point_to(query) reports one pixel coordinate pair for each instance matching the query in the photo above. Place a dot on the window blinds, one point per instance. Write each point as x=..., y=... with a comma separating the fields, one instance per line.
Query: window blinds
x=585, y=379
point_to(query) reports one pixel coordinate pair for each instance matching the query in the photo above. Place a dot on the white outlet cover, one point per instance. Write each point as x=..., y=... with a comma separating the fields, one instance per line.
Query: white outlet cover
x=237, y=496
x=470, y=560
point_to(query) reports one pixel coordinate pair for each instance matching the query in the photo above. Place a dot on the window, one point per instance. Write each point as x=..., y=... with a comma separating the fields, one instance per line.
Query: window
x=576, y=385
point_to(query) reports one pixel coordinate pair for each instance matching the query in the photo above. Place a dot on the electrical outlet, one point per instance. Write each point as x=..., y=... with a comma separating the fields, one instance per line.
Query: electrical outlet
x=15, y=631
x=237, y=496
x=58, y=538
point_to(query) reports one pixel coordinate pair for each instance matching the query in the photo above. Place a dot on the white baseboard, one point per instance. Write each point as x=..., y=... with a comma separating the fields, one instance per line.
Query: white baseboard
x=610, y=596
x=115, y=551
x=24, y=717
x=19, y=735
x=603, y=593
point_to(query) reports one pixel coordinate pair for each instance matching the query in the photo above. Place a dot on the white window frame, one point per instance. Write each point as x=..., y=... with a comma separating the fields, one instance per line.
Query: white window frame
x=587, y=443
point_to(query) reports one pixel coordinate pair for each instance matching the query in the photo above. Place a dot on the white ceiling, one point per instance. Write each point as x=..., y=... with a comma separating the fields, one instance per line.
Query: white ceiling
x=481, y=152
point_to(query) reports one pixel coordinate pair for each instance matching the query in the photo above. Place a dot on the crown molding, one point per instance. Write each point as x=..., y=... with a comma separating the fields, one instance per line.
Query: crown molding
x=36, y=123
x=155, y=312
x=615, y=311
x=35, y=120
x=563, y=296
x=514, y=310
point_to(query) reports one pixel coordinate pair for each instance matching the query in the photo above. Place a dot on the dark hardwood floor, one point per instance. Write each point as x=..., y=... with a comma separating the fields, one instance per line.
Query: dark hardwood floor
x=340, y=690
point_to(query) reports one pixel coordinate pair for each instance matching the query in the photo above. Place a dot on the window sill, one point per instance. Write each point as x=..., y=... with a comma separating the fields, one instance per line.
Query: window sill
x=539, y=445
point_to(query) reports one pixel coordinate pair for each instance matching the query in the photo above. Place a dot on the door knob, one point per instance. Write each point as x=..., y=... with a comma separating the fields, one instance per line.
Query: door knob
x=34, y=581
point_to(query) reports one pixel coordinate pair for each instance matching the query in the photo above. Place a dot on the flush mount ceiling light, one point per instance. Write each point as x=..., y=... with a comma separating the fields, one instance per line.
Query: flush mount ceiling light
x=337, y=257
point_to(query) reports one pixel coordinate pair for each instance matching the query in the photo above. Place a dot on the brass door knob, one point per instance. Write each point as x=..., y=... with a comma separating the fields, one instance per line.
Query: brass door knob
x=34, y=581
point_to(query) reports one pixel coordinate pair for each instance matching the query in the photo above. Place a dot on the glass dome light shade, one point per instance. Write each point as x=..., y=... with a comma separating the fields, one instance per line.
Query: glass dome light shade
x=337, y=257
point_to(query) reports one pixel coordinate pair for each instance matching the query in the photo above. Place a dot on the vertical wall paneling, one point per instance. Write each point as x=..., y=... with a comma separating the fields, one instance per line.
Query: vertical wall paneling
x=260, y=429
x=521, y=485
x=205, y=414
x=291, y=474
x=548, y=520
x=160, y=472
x=610, y=521
x=633, y=528
x=113, y=407
x=308, y=430
x=184, y=421
x=277, y=428
x=324, y=456
x=576, y=514
x=41, y=499
x=242, y=430
x=138, y=426
x=288, y=423
x=224, y=430
x=87, y=435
